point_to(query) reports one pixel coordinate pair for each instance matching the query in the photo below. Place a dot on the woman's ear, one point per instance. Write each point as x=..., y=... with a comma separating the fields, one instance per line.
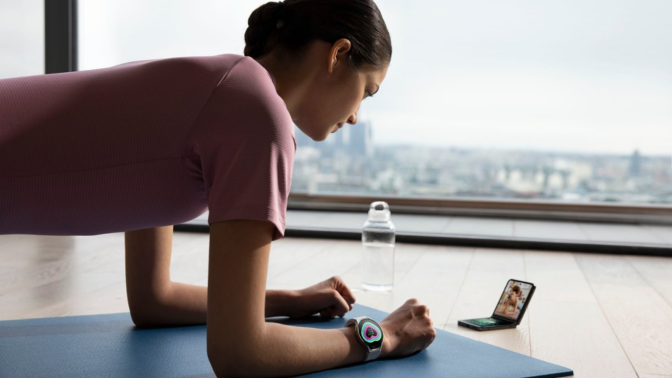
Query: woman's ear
x=338, y=52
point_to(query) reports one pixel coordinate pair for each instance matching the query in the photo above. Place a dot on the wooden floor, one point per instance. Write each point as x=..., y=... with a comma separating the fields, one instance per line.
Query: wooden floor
x=601, y=315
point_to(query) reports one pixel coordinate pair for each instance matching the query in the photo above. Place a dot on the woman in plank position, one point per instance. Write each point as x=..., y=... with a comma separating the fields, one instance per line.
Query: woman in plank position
x=144, y=145
x=511, y=304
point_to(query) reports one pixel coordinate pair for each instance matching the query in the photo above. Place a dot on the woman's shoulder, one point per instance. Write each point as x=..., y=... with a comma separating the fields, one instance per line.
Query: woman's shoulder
x=245, y=102
x=247, y=76
x=235, y=72
x=213, y=68
x=250, y=89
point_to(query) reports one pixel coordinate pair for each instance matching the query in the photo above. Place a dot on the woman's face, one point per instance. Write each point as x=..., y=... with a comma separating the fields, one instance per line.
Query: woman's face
x=335, y=94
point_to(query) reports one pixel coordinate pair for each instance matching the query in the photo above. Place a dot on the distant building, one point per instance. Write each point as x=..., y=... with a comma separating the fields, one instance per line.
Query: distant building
x=355, y=140
x=635, y=168
x=361, y=138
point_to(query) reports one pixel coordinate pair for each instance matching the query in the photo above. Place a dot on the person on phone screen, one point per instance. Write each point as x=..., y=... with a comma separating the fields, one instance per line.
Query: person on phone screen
x=506, y=294
x=511, y=304
x=143, y=145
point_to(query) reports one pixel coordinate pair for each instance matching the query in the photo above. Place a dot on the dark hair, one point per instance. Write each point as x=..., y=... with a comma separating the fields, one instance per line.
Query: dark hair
x=516, y=289
x=293, y=24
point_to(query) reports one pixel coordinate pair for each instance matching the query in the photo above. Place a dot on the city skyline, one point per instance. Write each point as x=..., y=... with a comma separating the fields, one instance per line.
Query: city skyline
x=343, y=167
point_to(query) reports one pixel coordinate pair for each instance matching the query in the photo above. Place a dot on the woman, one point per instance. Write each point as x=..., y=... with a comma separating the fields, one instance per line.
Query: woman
x=511, y=304
x=144, y=145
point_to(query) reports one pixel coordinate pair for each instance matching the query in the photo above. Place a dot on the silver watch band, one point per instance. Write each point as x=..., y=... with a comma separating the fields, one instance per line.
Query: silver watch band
x=371, y=354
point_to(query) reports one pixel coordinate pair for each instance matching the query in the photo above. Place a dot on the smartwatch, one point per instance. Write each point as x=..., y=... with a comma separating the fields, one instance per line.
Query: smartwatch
x=369, y=334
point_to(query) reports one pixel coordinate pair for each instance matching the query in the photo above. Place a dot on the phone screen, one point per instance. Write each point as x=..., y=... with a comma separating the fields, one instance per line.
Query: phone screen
x=513, y=299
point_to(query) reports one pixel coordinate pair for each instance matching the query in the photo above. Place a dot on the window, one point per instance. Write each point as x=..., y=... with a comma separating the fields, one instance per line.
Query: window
x=118, y=31
x=21, y=38
x=565, y=101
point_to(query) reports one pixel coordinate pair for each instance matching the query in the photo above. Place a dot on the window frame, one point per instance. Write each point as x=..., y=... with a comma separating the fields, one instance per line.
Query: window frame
x=60, y=36
x=483, y=207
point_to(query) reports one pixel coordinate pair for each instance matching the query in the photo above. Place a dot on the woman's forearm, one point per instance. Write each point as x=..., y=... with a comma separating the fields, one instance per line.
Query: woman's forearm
x=185, y=304
x=278, y=302
x=290, y=350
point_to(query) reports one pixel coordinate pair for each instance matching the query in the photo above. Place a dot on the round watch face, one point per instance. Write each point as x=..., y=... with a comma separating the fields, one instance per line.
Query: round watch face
x=371, y=333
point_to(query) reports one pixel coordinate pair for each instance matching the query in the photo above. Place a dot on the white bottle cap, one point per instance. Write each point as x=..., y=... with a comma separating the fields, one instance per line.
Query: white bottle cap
x=379, y=212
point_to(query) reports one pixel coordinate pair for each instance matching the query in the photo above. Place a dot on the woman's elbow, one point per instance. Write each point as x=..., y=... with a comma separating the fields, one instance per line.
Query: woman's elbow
x=228, y=362
x=144, y=313
x=140, y=317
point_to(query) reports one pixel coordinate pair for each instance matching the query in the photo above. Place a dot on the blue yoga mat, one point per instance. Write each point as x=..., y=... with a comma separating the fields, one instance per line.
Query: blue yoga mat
x=110, y=345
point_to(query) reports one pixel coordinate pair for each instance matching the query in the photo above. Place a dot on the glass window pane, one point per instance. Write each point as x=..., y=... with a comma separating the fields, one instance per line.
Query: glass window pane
x=118, y=31
x=21, y=38
x=566, y=101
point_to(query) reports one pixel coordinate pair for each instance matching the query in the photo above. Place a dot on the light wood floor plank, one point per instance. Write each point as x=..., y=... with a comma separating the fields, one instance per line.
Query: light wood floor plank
x=574, y=336
x=76, y=293
x=557, y=277
x=657, y=271
x=488, y=273
x=639, y=316
x=335, y=259
x=434, y=279
x=567, y=326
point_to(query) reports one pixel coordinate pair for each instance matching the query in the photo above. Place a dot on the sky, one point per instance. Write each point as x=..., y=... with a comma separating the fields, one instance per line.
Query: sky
x=573, y=75
x=21, y=38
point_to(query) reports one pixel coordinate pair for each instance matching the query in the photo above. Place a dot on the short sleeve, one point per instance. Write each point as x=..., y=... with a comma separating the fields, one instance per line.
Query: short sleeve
x=244, y=139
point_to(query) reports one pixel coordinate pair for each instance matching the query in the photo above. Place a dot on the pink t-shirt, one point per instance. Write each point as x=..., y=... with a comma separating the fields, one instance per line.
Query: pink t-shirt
x=144, y=144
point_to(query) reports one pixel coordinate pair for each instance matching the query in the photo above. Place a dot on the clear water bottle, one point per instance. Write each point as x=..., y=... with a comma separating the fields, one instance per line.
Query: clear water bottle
x=378, y=246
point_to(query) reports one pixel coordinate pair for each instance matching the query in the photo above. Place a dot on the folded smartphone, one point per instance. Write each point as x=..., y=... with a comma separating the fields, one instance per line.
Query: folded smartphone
x=509, y=310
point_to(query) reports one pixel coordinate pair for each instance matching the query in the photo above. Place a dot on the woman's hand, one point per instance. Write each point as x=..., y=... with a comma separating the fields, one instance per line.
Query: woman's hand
x=407, y=330
x=330, y=298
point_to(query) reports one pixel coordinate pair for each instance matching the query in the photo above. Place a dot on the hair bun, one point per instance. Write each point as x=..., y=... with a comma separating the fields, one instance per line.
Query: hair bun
x=262, y=23
x=265, y=13
x=289, y=27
